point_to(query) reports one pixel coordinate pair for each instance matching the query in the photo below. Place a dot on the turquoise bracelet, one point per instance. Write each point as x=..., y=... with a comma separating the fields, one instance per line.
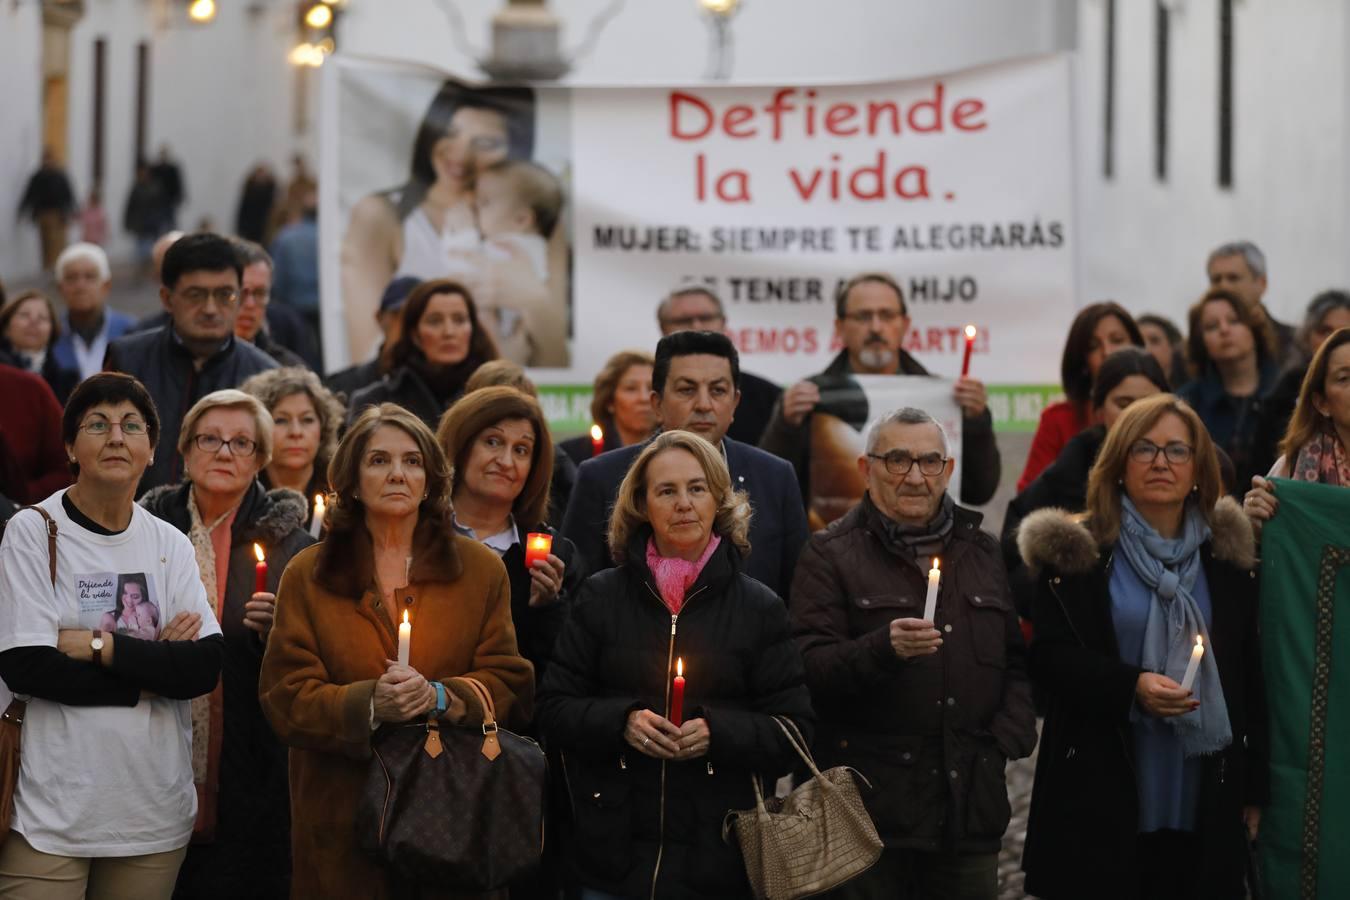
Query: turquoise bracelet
x=441, y=704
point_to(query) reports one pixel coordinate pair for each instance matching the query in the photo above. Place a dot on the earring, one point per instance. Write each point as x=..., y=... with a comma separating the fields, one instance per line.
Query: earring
x=72, y=459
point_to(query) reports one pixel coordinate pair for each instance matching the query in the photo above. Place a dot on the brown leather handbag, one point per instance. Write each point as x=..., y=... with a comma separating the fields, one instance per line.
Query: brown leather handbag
x=11, y=723
x=458, y=806
x=813, y=840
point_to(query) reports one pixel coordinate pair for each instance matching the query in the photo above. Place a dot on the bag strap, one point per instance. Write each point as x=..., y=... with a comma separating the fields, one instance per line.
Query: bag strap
x=491, y=747
x=51, y=539
x=794, y=736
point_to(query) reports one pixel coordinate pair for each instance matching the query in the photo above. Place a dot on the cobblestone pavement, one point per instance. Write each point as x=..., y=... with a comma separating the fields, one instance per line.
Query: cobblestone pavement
x=1010, y=857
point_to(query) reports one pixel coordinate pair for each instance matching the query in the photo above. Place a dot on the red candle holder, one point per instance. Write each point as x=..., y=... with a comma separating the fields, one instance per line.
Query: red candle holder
x=538, y=545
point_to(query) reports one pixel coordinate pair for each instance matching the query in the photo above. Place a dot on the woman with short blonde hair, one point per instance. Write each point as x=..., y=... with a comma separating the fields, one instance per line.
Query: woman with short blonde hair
x=652, y=778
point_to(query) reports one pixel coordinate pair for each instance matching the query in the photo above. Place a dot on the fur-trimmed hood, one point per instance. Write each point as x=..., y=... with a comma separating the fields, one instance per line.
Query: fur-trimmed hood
x=264, y=515
x=1061, y=540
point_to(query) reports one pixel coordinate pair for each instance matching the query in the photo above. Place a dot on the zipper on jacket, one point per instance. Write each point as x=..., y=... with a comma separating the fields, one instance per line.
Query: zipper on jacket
x=670, y=661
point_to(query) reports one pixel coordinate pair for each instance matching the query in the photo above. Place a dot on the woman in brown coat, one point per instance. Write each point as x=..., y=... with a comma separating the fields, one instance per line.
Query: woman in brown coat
x=329, y=678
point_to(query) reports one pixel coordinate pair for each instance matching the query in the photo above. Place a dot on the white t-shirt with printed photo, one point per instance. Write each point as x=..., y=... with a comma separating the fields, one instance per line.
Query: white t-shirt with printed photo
x=101, y=780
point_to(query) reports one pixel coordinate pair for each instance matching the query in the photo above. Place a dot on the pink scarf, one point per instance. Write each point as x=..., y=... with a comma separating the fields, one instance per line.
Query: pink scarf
x=1323, y=460
x=675, y=576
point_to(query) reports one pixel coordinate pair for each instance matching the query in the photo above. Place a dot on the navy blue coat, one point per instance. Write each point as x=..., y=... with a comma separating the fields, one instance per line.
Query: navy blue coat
x=777, y=529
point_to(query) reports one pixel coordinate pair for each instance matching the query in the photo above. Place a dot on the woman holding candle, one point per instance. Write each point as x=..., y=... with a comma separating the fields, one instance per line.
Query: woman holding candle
x=1097, y=331
x=226, y=441
x=104, y=793
x=305, y=421
x=621, y=407
x=440, y=342
x=1142, y=787
x=648, y=797
x=330, y=676
x=1318, y=438
x=498, y=444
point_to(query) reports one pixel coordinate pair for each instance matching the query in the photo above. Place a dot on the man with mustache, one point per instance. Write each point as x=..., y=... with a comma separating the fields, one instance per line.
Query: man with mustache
x=929, y=707
x=197, y=352
x=871, y=320
x=696, y=387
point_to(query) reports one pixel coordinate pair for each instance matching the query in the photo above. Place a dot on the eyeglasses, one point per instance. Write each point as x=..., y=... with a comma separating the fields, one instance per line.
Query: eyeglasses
x=1145, y=452
x=865, y=316
x=689, y=322
x=198, y=296
x=239, y=446
x=257, y=295
x=100, y=427
x=899, y=462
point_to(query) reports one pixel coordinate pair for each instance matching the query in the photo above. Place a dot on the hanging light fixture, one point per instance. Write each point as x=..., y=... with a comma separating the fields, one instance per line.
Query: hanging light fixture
x=526, y=43
x=720, y=13
x=319, y=16
x=202, y=10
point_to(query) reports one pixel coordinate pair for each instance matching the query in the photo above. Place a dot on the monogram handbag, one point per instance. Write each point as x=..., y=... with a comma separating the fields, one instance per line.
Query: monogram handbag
x=461, y=806
x=11, y=723
x=813, y=840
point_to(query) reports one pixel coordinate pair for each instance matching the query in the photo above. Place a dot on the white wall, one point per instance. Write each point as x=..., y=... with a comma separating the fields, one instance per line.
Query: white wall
x=1144, y=242
x=799, y=41
x=21, y=132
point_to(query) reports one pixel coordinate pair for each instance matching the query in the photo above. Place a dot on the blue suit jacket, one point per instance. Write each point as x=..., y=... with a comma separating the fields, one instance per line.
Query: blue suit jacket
x=777, y=529
x=115, y=323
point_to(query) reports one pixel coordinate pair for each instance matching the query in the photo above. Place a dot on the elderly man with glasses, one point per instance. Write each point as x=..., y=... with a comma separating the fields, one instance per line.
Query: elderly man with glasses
x=197, y=352
x=871, y=321
x=929, y=706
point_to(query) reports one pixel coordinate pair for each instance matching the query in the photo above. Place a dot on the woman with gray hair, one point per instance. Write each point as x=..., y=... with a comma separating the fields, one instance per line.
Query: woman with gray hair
x=242, y=834
x=651, y=777
x=305, y=421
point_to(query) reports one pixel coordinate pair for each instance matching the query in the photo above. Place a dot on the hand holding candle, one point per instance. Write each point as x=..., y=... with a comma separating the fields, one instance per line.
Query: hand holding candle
x=597, y=440
x=934, y=581
x=404, y=640
x=316, y=523
x=970, y=346
x=260, y=571
x=538, y=546
x=677, y=695
x=1194, y=665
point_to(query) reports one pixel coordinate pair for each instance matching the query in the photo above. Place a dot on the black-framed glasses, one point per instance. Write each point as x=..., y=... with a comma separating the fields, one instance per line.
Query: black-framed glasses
x=239, y=445
x=899, y=462
x=1145, y=452
x=197, y=296
x=100, y=427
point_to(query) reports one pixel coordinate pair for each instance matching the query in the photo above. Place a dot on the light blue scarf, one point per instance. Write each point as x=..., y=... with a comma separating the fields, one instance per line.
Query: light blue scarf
x=1168, y=567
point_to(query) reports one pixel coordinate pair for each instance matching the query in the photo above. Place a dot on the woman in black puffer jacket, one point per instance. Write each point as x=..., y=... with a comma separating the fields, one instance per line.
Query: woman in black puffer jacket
x=648, y=797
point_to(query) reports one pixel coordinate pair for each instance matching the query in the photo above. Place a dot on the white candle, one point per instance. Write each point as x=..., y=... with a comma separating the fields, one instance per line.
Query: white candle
x=934, y=579
x=404, y=640
x=1189, y=678
x=316, y=523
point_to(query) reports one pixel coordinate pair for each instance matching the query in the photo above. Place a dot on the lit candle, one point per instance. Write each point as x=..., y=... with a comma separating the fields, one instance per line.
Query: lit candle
x=934, y=579
x=677, y=695
x=597, y=440
x=970, y=345
x=537, y=546
x=404, y=640
x=316, y=523
x=260, y=571
x=1194, y=665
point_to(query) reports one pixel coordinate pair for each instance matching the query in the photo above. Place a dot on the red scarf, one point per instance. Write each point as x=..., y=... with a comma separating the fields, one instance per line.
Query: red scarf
x=675, y=576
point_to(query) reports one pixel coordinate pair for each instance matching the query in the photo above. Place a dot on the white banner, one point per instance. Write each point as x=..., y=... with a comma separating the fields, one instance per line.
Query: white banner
x=959, y=186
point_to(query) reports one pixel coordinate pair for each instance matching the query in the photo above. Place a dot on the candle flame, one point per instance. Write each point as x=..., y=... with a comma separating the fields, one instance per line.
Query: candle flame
x=1199, y=642
x=405, y=617
x=319, y=503
x=597, y=433
x=679, y=667
x=257, y=551
x=935, y=564
x=970, y=331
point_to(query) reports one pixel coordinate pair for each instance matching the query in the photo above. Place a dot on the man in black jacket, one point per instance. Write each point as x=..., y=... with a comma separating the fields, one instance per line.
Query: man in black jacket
x=197, y=352
x=872, y=320
x=694, y=388
x=696, y=308
x=929, y=707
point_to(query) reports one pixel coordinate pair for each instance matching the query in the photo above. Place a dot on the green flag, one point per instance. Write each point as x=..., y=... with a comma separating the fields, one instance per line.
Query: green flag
x=1305, y=642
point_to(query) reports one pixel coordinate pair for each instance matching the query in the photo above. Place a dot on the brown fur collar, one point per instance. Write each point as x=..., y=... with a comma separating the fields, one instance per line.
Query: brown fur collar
x=1057, y=538
x=346, y=563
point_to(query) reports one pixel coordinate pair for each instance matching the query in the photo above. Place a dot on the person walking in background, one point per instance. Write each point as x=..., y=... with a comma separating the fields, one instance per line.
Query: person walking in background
x=256, y=200
x=1144, y=780
x=929, y=708
x=328, y=677
x=143, y=215
x=649, y=786
x=169, y=175
x=295, y=255
x=242, y=821
x=94, y=219
x=50, y=201
x=104, y=802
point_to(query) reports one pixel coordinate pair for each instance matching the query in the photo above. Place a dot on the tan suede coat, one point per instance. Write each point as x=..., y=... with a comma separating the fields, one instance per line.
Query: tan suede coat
x=332, y=635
